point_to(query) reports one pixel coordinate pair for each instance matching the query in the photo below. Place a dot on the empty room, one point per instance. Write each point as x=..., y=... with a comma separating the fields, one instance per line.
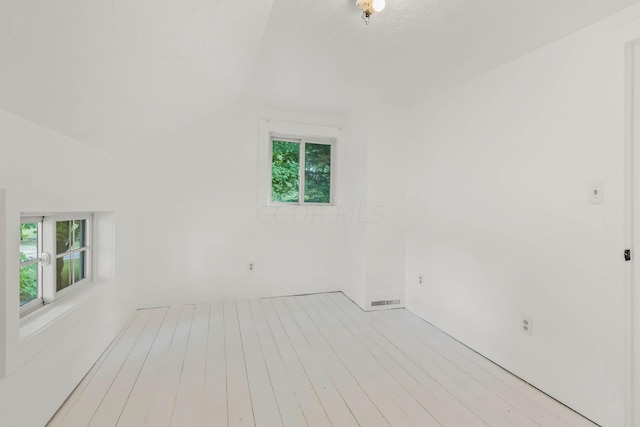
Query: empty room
x=319, y=213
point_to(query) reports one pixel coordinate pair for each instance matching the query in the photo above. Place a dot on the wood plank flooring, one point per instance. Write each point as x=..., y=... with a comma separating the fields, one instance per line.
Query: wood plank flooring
x=313, y=360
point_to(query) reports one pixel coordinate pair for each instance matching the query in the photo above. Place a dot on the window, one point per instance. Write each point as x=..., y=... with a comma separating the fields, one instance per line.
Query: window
x=30, y=261
x=71, y=252
x=301, y=171
x=45, y=277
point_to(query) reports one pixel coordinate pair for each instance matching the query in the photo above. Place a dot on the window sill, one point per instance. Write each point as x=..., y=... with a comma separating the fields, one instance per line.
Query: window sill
x=39, y=319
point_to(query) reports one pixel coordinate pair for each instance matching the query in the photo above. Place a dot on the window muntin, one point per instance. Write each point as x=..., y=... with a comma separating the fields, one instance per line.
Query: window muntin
x=293, y=184
x=69, y=239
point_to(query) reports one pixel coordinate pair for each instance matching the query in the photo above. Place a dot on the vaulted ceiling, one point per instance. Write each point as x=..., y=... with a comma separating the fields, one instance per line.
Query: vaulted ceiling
x=119, y=74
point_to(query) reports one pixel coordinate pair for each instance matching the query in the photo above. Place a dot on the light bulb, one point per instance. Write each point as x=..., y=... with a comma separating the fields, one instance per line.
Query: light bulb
x=378, y=5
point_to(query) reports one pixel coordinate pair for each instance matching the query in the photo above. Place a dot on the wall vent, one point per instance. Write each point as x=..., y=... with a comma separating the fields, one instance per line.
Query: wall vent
x=385, y=302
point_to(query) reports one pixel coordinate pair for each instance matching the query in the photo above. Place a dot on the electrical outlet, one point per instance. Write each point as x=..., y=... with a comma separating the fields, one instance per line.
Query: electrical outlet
x=421, y=279
x=251, y=266
x=526, y=325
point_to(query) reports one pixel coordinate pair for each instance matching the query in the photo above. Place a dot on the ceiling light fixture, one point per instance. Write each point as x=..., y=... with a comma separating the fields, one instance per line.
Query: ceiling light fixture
x=369, y=7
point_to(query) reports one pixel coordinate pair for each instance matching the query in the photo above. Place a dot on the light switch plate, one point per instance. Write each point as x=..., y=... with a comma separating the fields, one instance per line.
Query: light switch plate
x=596, y=192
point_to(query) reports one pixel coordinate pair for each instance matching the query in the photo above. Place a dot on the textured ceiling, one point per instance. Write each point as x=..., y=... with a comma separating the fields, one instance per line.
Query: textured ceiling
x=413, y=48
x=122, y=74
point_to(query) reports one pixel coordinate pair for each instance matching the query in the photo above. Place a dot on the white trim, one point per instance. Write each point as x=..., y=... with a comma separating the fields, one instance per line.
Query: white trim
x=310, y=132
x=48, y=293
x=302, y=141
x=30, y=219
x=302, y=138
x=632, y=234
x=31, y=306
x=30, y=262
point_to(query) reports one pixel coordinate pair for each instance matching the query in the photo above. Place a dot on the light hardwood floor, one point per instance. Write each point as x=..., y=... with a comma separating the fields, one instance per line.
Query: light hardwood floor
x=314, y=360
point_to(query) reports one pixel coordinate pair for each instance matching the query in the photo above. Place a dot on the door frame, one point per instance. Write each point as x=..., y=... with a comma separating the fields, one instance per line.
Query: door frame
x=632, y=232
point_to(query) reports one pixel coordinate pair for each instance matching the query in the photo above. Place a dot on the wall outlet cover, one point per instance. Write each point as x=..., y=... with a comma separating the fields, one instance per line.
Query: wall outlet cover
x=526, y=325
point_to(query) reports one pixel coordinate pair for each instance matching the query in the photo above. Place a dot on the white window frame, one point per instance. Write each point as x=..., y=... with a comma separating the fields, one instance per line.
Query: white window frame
x=47, y=257
x=302, y=141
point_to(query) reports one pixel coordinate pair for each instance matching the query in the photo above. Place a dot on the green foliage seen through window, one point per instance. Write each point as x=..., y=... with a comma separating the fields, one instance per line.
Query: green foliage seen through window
x=285, y=166
x=29, y=273
x=285, y=169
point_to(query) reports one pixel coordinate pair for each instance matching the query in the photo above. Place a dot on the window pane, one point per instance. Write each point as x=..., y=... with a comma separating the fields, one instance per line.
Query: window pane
x=78, y=266
x=63, y=267
x=63, y=236
x=28, y=283
x=317, y=173
x=285, y=166
x=28, y=241
x=78, y=232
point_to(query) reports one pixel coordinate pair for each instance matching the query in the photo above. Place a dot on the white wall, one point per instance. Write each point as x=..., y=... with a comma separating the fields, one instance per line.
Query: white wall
x=207, y=194
x=355, y=188
x=44, y=172
x=377, y=182
x=500, y=225
x=204, y=196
